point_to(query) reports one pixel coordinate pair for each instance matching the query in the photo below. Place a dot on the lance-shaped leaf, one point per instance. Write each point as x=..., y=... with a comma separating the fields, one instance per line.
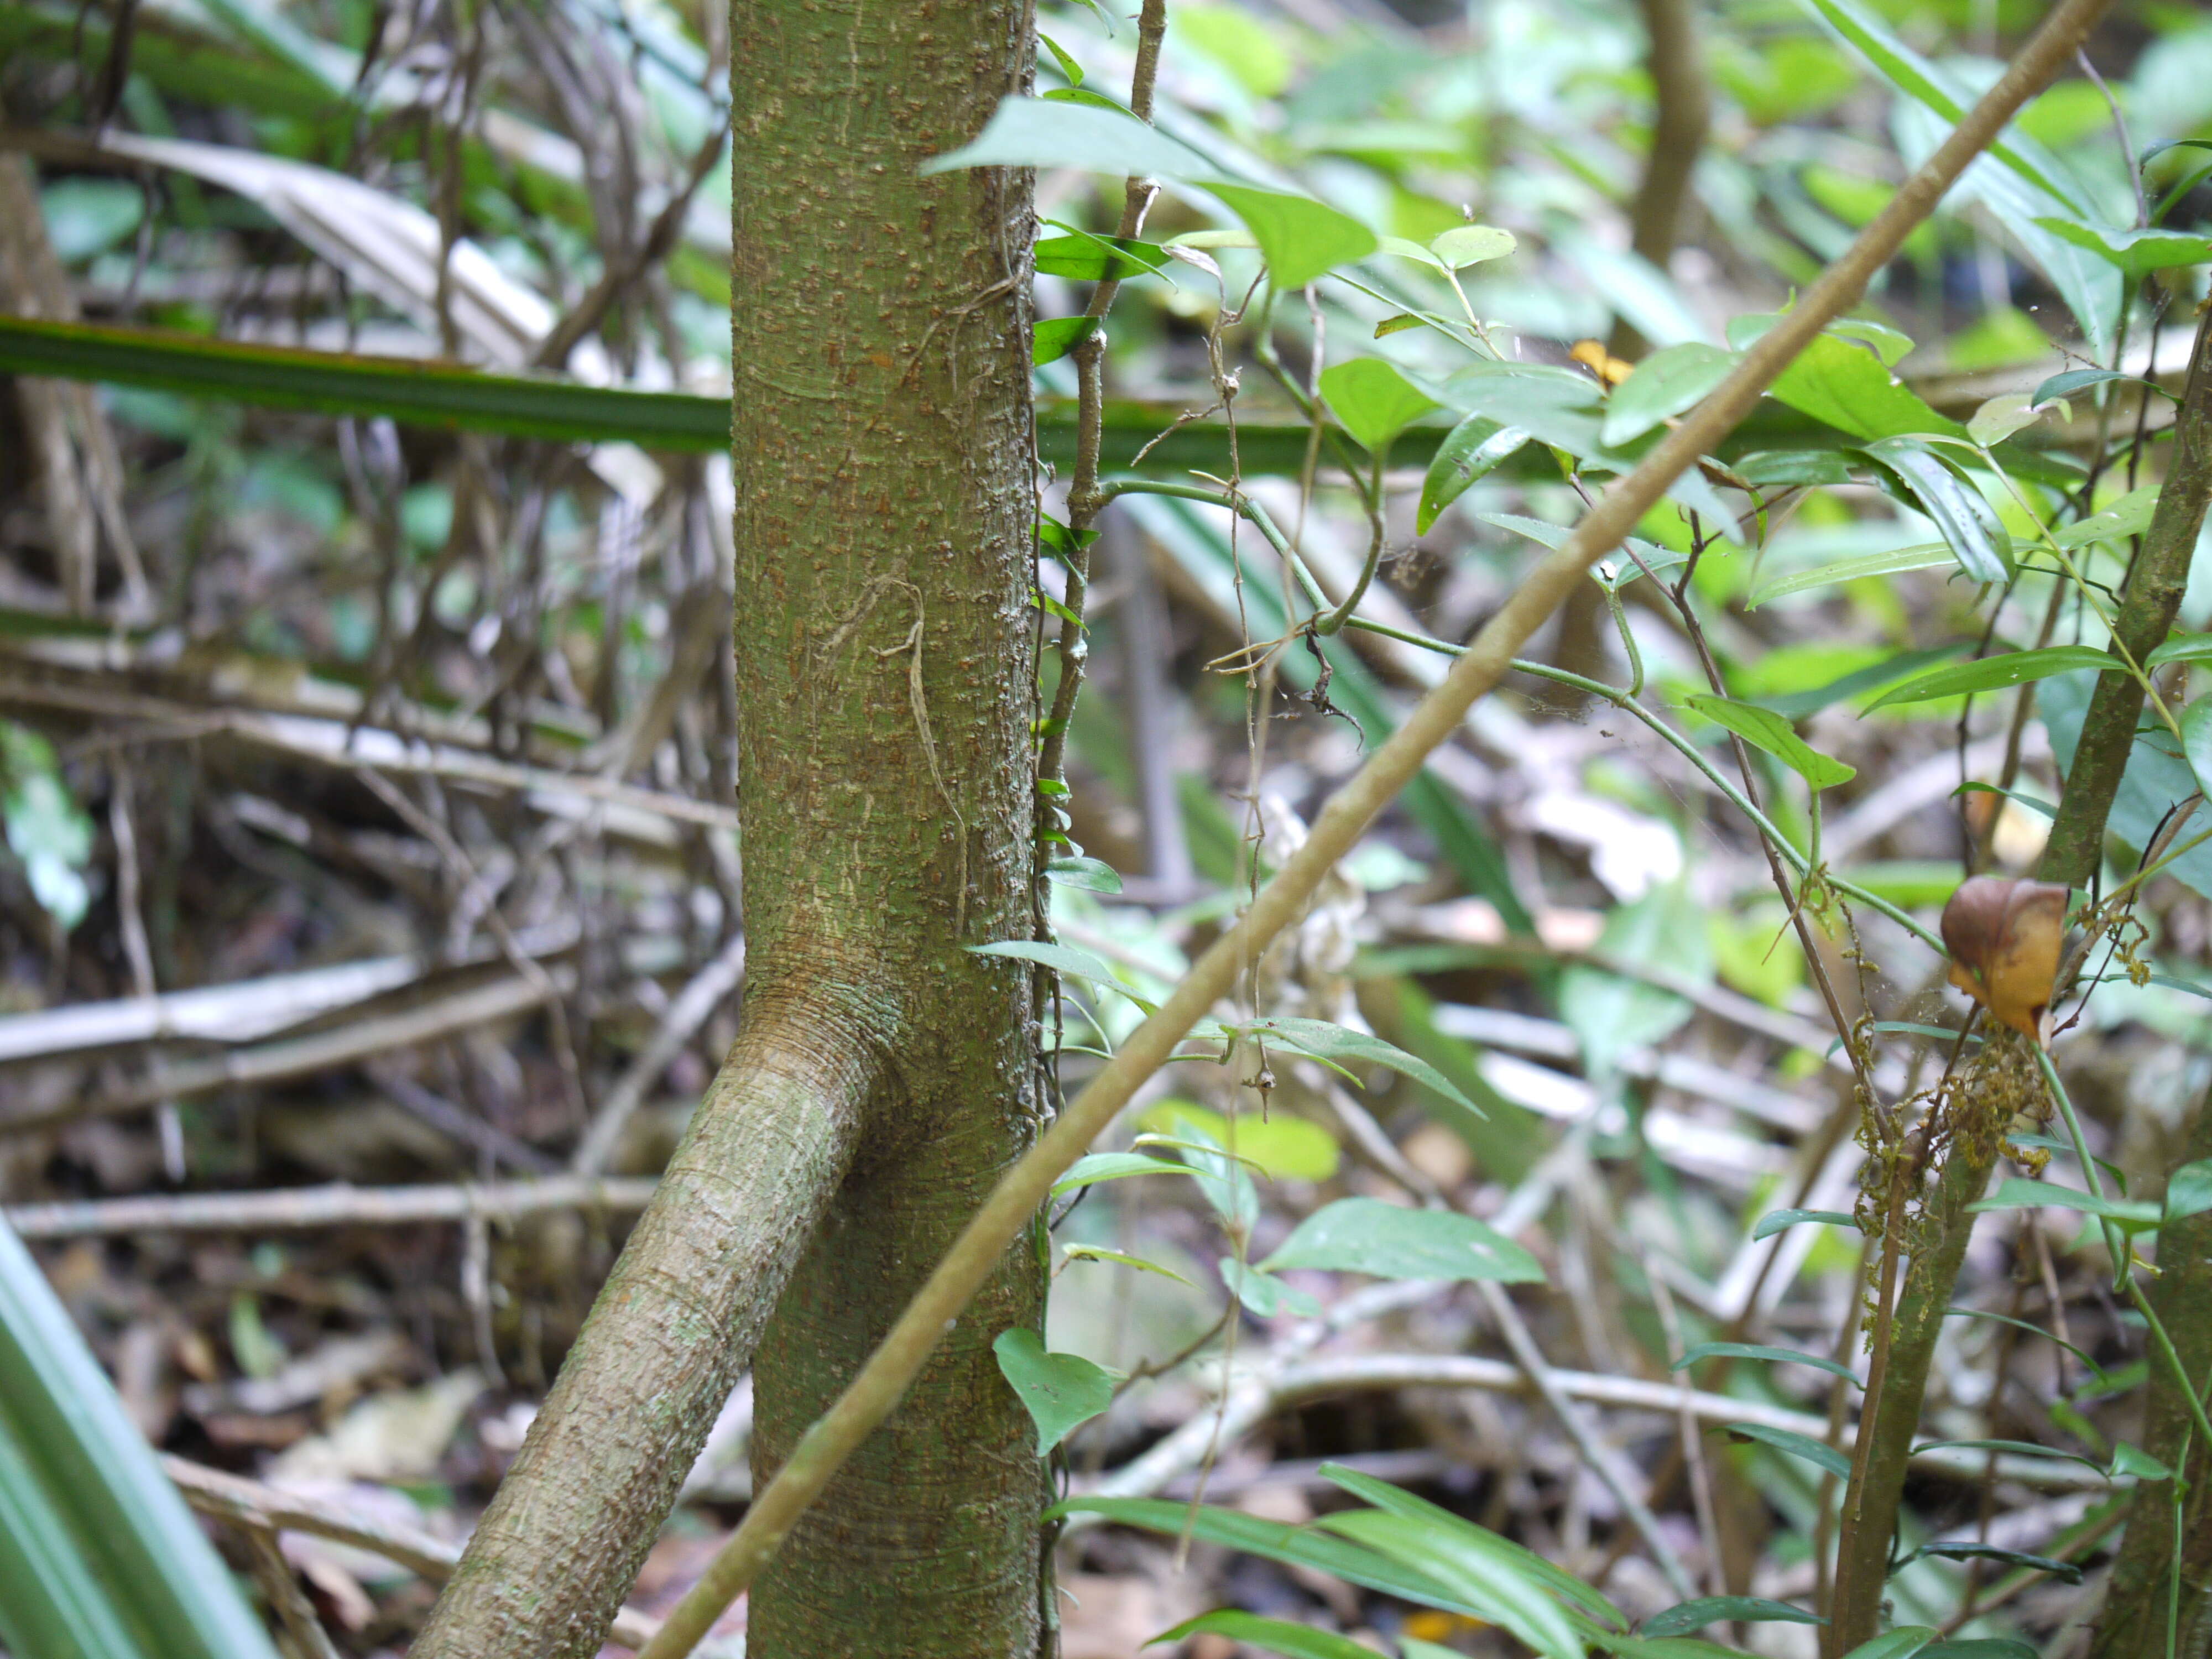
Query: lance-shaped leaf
x=2015, y=1193
x=1968, y=523
x=2137, y=252
x=1761, y=1351
x=1775, y=1221
x=1469, y=451
x=1331, y=1042
x=1686, y=1616
x=1996, y=673
x=1762, y=728
x=1269, y=1635
x=1366, y=1235
x=1815, y=1452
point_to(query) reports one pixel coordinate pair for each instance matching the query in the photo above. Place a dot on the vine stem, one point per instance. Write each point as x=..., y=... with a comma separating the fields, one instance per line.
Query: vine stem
x=876, y=1389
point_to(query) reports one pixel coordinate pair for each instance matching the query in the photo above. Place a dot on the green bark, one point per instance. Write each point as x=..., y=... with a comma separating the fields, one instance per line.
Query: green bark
x=885, y=1076
x=2155, y=586
x=2134, y=1623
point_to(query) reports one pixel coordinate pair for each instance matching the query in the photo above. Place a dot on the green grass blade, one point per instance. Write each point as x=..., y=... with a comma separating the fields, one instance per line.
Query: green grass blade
x=98, y=1556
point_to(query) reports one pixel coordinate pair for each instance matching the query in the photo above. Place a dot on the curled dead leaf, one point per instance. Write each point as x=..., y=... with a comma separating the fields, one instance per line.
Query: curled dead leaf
x=2005, y=938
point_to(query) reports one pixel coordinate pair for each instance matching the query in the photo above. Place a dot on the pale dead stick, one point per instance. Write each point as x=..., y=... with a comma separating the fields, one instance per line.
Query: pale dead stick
x=876, y=1391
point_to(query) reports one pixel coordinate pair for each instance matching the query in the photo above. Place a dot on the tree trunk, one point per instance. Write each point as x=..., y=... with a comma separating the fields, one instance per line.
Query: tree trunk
x=885, y=1075
x=2133, y=1624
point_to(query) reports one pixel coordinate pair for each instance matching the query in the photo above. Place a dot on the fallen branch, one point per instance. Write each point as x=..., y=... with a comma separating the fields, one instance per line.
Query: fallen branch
x=300, y=1209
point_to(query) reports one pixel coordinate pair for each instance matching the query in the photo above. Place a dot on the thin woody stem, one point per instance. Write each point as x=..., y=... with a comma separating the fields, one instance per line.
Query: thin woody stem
x=875, y=1391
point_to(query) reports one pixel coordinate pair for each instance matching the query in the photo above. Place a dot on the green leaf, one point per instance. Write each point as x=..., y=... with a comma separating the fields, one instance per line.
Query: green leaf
x=2195, y=744
x=1664, y=384
x=98, y=1556
x=1098, y=1253
x=2013, y=1193
x=1999, y=417
x=1095, y=1167
x=2095, y=1370
x=1469, y=451
x=1297, y=1546
x=1085, y=258
x=1775, y=1221
x=1899, y=1643
x=1271, y=1635
x=2080, y=379
x=1059, y=1391
x=1688, y=1616
x=1514, y=1556
x=1062, y=959
x=1555, y=406
x=1847, y=385
x=1374, y=402
x=1505, y=1593
x=1471, y=244
x=1281, y=1147
x=1299, y=237
x=1055, y=336
x=2065, y=1571
x=1758, y=1351
x=1341, y=1043
x=1068, y=66
x=2137, y=252
x=1980, y=1647
x=1897, y=561
x=2189, y=1190
x=1367, y=1235
x=46, y=828
x=1764, y=729
x=1796, y=1445
x=2130, y=515
x=2181, y=647
x=332, y=383
x=2016, y=1447
x=1787, y=468
x=1092, y=875
x=2134, y=1461
x=1659, y=560
x=1037, y=132
x=1967, y=522
x=1263, y=1294
x=2007, y=668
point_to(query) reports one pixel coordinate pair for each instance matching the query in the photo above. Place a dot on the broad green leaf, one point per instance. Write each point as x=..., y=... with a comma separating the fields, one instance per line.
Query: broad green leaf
x=1899, y=1643
x=2137, y=252
x=1504, y=1592
x=1847, y=385
x=1780, y=469
x=1297, y=1546
x=1921, y=556
x=2017, y=1448
x=1263, y=1294
x=2001, y=416
x=1406, y=248
x=1664, y=384
x=1374, y=401
x=2064, y=1571
x=2196, y=745
x=1299, y=237
x=1759, y=1351
x=2181, y=647
x=1058, y=1390
x=1095, y=1167
x=1762, y=728
x=1996, y=673
x=1469, y=451
x=1055, y=336
x=1092, y=875
x=1818, y=1453
x=1967, y=522
x=2015, y=1193
x=1471, y=244
x=1120, y=1259
x=1341, y=1043
x=1775, y=1221
x=1038, y=132
x=2130, y=515
x=2189, y=1190
x=1557, y=406
x=1688, y=1616
x=1367, y=1235
x=1085, y=258
x=1270, y=1635
x=98, y=1556
x=1279, y=1146
x=333, y=383
x=1514, y=1557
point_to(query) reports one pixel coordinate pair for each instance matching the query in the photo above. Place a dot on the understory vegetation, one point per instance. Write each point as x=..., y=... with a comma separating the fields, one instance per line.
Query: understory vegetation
x=1467, y=745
